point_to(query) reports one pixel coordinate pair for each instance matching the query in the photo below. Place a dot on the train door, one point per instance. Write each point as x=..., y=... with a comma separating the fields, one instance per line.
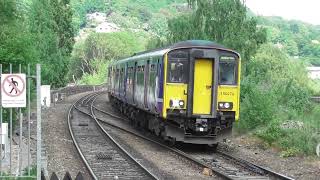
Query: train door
x=202, y=89
x=146, y=84
x=126, y=78
x=134, y=82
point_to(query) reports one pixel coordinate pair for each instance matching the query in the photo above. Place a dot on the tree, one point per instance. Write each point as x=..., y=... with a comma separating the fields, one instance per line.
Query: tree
x=53, y=44
x=8, y=11
x=223, y=21
x=100, y=48
x=62, y=15
x=17, y=45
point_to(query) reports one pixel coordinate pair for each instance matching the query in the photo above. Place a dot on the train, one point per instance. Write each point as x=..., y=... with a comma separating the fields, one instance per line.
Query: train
x=187, y=92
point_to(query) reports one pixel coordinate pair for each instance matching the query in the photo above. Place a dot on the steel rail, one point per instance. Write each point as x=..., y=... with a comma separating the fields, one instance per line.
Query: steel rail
x=74, y=140
x=264, y=169
x=113, y=140
x=177, y=151
x=238, y=160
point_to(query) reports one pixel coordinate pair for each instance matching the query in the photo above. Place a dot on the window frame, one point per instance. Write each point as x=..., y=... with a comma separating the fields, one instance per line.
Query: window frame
x=236, y=69
x=186, y=61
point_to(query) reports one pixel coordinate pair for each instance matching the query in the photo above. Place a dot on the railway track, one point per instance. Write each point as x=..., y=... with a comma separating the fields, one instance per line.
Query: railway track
x=102, y=155
x=224, y=165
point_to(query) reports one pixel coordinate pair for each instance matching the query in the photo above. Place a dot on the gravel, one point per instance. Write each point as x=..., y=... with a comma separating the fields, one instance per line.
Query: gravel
x=254, y=150
x=62, y=155
x=162, y=162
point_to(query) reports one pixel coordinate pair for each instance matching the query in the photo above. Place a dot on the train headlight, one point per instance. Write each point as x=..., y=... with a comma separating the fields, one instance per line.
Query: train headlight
x=176, y=103
x=225, y=105
x=181, y=103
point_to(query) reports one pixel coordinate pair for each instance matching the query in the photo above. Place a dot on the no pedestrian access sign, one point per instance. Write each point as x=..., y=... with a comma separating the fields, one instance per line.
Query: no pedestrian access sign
x=13, y=90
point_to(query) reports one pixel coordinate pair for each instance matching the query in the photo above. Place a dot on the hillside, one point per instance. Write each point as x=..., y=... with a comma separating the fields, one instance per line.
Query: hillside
x=146, y=15
x=149, y=17
x=298, y=39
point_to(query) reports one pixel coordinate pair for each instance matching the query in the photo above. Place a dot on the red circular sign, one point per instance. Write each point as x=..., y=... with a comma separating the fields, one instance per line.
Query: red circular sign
x=14, y=87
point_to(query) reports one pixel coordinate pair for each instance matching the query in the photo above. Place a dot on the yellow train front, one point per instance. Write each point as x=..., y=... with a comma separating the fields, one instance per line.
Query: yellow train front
x=192, y=97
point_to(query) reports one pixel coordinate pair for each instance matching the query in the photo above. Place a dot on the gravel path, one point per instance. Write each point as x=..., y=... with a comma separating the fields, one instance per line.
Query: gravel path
x=61, y=153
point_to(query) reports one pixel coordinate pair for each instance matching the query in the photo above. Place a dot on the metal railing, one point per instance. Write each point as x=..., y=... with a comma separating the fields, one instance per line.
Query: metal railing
x=21, y=169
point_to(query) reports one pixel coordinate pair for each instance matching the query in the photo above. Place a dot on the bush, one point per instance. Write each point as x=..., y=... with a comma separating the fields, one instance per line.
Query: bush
x=98, y=77
x=275, y=90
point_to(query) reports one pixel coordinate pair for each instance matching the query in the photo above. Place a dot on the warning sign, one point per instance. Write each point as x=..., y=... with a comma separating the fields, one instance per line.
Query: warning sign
x=13, y=90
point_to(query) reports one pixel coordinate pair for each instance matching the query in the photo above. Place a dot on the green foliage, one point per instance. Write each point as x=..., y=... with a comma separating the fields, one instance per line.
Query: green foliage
x=97, y=77
x=8, y=11
x=50, y=22
x=223, y=21
x=290, y=152
x=17, y=45
x=96, y=50
x=127, y=13
x=297, y=38
x=276, y=90
x=62, y=15
x=314, y=86
x=274, y=85
x=81, y=8
x=271, y=133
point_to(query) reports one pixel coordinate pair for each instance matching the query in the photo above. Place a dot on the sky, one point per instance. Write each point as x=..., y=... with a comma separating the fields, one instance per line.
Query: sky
x=303, y=10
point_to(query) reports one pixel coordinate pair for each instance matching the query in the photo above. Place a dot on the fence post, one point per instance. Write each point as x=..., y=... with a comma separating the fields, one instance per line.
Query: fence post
x=1, y=122
x=10, y=111
x=20, y=136
x=29, y=112
x=38, y=121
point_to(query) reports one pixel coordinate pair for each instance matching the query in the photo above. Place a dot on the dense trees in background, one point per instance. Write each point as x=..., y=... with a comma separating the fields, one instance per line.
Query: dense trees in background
x=37, y=31
x=17, y=43
x=138, y=20
x=50, y=23
x=298, y=39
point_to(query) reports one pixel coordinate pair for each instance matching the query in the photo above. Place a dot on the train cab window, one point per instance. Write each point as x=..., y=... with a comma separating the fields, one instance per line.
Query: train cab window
x=178, y=66
x=178, y=71
x=227, y=71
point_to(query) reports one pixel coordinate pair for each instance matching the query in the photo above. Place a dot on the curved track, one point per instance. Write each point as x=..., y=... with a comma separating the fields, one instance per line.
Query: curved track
x=226, y=166
x=103, y=156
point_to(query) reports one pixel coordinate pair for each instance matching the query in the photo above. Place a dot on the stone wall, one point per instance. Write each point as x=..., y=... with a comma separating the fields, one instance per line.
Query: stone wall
x=60, y=94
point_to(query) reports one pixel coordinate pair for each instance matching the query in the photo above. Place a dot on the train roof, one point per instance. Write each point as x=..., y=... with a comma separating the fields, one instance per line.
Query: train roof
x=185, y=44
x=182, y=44
x=197, y=43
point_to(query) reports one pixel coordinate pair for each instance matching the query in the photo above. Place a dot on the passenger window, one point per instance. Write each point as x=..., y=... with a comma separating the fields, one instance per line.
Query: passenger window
x=227, y=71
x=153, y=67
